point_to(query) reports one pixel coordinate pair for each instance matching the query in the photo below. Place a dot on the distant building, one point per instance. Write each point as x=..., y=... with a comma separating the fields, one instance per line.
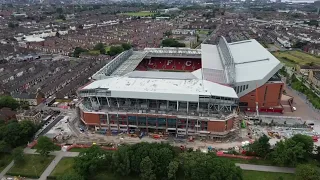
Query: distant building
x=25, y=97
x=305, y=69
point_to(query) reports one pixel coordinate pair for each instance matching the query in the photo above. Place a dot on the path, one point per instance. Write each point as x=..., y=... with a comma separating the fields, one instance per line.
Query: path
x=6, y=170
x=266, y=168
x=58, y=156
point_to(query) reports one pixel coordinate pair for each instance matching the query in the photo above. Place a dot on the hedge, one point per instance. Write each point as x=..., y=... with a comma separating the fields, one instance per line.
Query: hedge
x=51, y=177
x=23, y=175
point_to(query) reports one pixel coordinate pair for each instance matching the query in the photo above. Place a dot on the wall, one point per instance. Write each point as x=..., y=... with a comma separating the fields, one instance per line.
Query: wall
x=216, y=126
x=90, y=118
x=268, y=96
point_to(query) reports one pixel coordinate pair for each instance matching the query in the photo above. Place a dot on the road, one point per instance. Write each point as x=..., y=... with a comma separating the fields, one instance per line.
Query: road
x=266, y=168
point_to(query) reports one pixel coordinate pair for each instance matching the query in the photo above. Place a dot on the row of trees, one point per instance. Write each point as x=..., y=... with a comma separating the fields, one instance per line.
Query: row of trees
x=153, y=161
x=113, y=50
x=299, y=86
x=291, y=152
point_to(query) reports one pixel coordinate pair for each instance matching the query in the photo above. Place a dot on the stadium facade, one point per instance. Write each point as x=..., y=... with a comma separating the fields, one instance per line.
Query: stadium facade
x=181, y=91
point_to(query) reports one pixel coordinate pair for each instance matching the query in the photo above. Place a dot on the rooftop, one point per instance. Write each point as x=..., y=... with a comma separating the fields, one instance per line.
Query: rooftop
x=162, y=89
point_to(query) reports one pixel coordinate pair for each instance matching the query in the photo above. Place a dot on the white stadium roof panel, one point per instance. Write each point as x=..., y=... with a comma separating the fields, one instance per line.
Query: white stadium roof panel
x=252, y=60
x=162, y=89
x=210, y=57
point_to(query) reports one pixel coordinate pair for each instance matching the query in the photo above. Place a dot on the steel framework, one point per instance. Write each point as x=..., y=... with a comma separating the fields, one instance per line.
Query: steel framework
x=227, y=60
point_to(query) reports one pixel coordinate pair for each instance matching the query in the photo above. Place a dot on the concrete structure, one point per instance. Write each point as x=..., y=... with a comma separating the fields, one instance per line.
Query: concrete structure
x=29, y=115
x=132, y=93
x=314, y=77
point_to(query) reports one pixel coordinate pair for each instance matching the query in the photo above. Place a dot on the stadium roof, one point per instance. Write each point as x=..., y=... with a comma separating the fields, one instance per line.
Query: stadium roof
x=161, y=75
x=162, y=89
x=252, y=61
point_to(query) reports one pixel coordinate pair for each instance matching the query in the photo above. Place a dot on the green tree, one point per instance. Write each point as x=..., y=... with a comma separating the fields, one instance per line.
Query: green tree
x=8, y=101
x=288, y=153
x=173, y=169
x=146, y=168
x=126, y=46
x=59, y=10
x=307, y=172
x=70, y=176
x=307, y=141
x=261, y=147
x=99, y=46
x=45, y=145
x=91, y=161
x=62, y=17
x=4, y=147
x=78, y=51
x=121, y=161
x=11, y=134
x=172, y=43
x=18, y=155
x=114, y=50
x=27, y=130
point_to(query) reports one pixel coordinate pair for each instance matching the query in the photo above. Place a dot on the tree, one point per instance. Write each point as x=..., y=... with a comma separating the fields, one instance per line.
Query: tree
x=126, y=46
x=114, y=50
x=61, y=16
x=18, y=155
x=307, y=142
x=121, y=161
x=13, y=25
x=261, y=147
x=172, y=43
x=91, y=161
x=27, y=130
x=172, y=169
x=307, y=172
x=98, y=46
x=288, y=153
x=78, y=51
x=70, y=176
x=45, y=145
x=146, y=168
x=167, y=33
x=4, y=147
x=8, y=101
x=59, y=10
x=11, y=135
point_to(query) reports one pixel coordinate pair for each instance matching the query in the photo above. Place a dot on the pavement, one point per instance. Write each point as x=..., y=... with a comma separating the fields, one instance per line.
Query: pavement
x=266, y=168
x=6, y=170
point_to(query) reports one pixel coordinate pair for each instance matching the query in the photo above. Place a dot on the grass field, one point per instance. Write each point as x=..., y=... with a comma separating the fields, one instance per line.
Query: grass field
x=141, y=13
x=200, y=31
x=257, y=175
x=5, y=159
x=291, y=58
x=64, y=166
x=34, y=166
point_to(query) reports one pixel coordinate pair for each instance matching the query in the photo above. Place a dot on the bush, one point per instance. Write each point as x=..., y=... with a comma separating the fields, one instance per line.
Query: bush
x=24, y=175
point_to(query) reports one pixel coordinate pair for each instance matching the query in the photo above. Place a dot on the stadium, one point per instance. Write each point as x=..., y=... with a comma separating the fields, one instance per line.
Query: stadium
x=182, y=92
